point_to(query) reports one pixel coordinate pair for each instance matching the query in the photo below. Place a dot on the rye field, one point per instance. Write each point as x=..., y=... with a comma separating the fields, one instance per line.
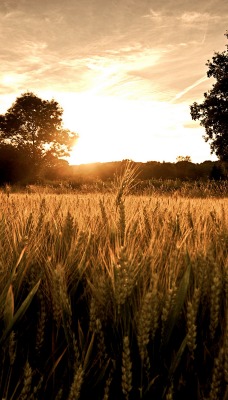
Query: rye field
x=113, y=296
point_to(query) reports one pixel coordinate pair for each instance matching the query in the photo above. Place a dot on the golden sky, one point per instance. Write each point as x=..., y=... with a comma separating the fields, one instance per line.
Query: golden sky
x=124, y=71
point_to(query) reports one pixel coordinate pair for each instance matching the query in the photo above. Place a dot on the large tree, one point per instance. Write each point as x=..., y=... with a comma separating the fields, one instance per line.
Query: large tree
x=213, y=112
x=35, y=127
x=13, y=166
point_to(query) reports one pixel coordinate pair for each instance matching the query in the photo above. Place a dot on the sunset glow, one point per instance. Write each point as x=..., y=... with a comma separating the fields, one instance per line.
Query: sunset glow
x=125, y=72
x=112, y=129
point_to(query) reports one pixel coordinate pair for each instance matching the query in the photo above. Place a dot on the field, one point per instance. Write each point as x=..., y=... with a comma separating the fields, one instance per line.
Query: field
x=113, y=296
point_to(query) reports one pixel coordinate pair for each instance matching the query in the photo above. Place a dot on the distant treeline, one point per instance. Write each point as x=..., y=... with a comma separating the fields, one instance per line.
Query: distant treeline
x=183, y=170
x=14, y=172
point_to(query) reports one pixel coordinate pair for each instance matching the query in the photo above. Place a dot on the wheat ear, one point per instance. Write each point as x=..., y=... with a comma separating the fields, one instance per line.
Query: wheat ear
x=126, y=368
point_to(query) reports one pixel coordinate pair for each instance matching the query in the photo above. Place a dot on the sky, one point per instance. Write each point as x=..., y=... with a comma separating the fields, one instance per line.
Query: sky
x=124, y=71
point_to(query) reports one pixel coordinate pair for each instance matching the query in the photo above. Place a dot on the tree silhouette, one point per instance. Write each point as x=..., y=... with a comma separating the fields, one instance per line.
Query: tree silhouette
x=213, y=112
x=13, y=166
x=183, y=158
x=34, y=126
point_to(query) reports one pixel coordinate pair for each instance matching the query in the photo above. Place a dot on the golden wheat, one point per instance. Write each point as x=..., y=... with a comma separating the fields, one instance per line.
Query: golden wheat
x=218, y=371
x=86, y=271
x=27, y=382
x=76, y=384
x=126, y=368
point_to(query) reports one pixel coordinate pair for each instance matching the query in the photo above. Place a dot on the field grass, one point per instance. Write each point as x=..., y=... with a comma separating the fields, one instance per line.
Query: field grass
x=113, y=296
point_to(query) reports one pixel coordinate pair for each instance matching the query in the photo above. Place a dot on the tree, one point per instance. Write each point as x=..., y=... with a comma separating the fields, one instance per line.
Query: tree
x=13, y=166
x=213, y=112
x=183, y=158
x=34, y=126
x=217, y=173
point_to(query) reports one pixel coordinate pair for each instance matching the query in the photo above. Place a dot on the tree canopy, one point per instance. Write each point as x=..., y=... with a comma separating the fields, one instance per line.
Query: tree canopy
x=213, y=111
x=183, y=158
x=13, y=166
x=35, y=127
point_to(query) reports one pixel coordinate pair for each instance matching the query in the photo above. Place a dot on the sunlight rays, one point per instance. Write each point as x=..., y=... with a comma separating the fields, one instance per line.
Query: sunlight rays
x=113, y=129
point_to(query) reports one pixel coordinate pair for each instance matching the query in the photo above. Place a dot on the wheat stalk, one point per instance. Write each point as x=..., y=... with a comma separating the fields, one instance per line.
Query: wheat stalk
x=217, y=376
x=126, y=368
x=27, y=382
x=124, y=278
x=192, y=309
x=76, y=384
x=41, y=324
x=216, y=289
x=147, y=323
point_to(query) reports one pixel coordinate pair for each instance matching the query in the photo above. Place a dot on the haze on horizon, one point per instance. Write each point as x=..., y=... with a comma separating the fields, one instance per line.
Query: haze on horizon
x=124, y=71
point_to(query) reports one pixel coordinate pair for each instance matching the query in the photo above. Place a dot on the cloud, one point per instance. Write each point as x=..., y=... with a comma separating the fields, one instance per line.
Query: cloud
x=191, y=125
x=190, y=87
x=194, y=18
x=154, y=15
x=123, y=48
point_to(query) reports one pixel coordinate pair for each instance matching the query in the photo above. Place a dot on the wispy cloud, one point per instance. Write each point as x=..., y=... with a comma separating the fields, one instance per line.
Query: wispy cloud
x=150, y=52
x=190, y=87
x=126, y=46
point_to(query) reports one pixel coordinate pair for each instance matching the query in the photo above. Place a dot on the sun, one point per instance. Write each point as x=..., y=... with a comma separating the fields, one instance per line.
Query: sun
x=87, y=150
x=99, y=123
x=113, y=129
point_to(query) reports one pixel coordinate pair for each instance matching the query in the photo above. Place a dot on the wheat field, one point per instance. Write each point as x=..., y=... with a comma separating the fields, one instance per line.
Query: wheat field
x=113, y=296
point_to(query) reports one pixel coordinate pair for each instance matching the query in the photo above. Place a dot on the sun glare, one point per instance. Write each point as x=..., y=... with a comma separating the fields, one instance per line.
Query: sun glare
x=112, y=129
x=96, y=121
x=88, y=150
